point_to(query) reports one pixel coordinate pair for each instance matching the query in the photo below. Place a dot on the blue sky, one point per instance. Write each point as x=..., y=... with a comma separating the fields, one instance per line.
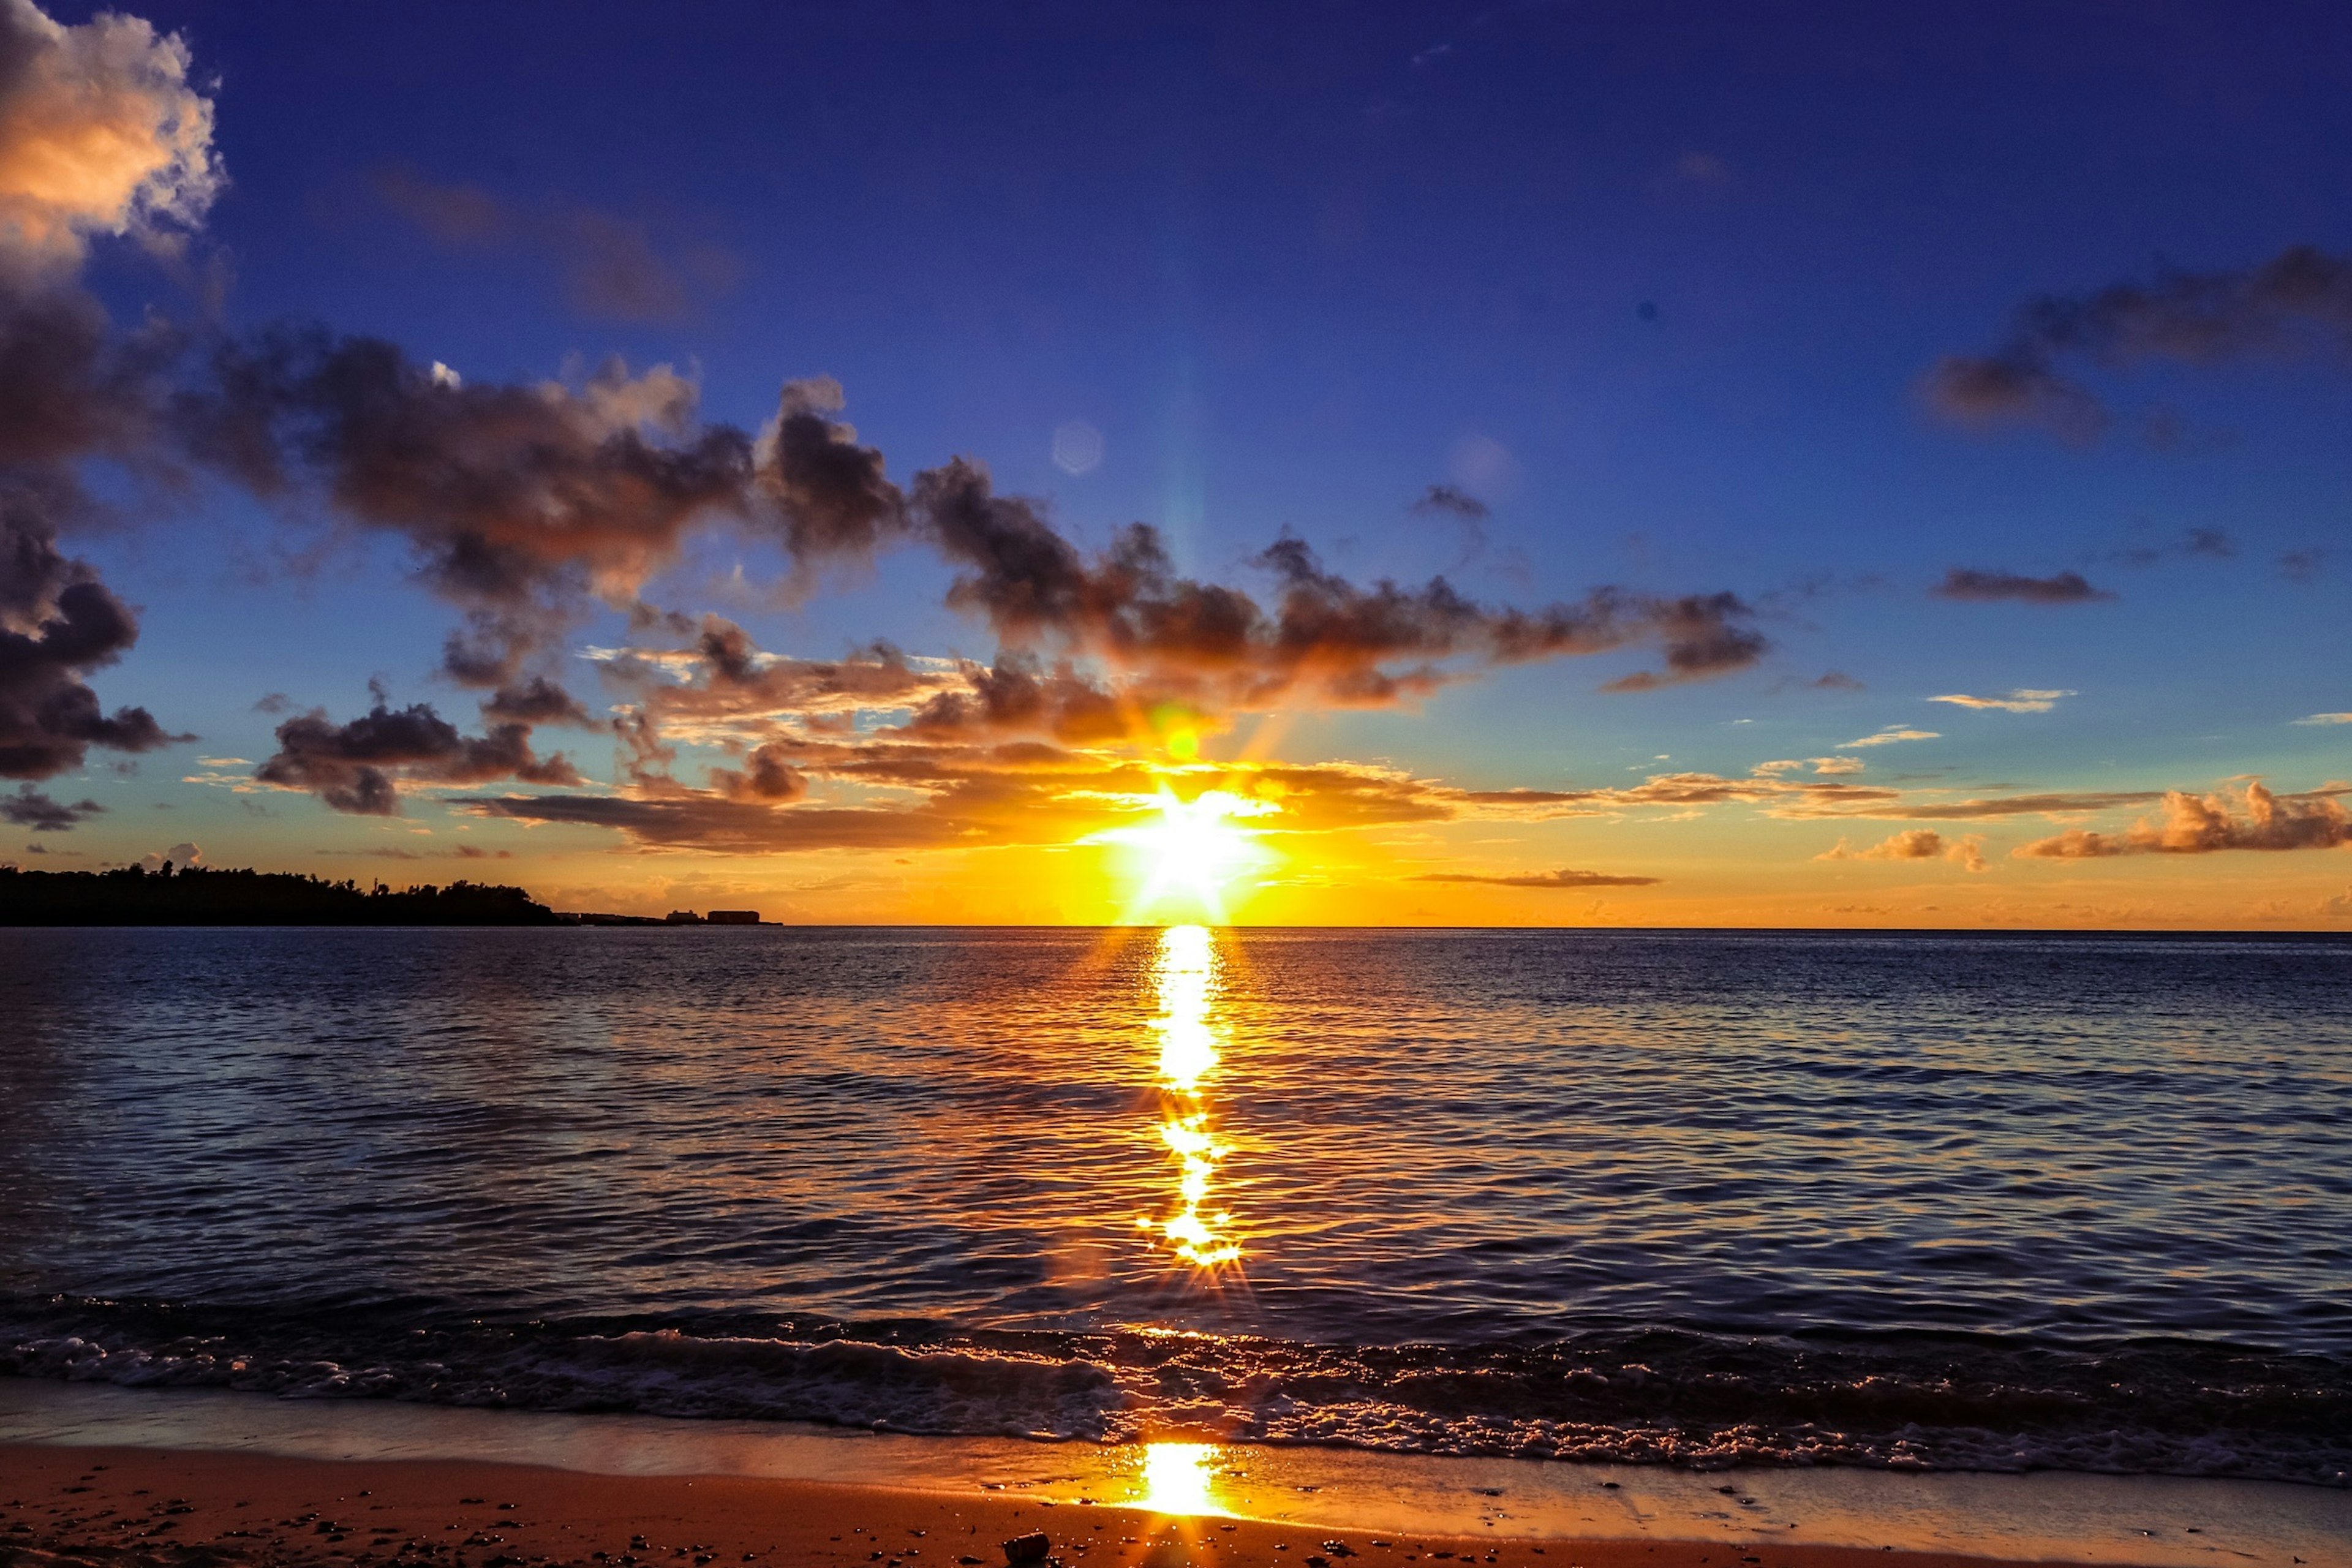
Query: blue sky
x=1660, y=287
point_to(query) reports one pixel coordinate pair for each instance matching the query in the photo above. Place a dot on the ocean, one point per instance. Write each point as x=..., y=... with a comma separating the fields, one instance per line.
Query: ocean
x=1890, y=1200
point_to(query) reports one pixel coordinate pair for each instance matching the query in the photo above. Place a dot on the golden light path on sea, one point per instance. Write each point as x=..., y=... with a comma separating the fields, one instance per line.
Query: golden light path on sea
x=1186, y=969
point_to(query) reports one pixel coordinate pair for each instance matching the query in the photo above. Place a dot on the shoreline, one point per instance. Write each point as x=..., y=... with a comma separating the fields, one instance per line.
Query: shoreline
x=750, y=1480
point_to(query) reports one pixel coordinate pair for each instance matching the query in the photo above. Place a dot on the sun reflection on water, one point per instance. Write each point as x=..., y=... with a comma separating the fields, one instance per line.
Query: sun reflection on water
x=1176, y=1477
x=1186, y=971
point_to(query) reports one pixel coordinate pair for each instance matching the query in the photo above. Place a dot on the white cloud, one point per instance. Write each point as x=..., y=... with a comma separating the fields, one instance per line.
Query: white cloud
x=2326, y=719
x=99, y=133
x=1888, y=736
x=2024, y=699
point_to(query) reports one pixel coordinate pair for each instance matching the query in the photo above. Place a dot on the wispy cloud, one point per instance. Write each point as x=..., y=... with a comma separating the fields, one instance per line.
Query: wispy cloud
x=1990, y=586
x=1889, y=736
x=1560, y=879
x=2325, y=719
x=2023, y=700
x=2299, y=301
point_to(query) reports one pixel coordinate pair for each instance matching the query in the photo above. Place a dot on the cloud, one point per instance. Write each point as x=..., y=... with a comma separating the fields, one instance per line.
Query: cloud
x=537, y=700
x=1323, y=637
x=1915, y=844
x=1457, y=502
x=361, y=766
x=2021, y=701
x=2251, y=818
x=1837, y=681
x=1834, y=766
x=396, y=852
x=837, y=503
x=2339, y=905
x=2207, y=543
x=57, y=624
x=519, y=500
x=2325, y=719
x=2303, y=565
x=611, y=267
x=1779, y=795
x=1560, y=879
x=100, y=132
x=1894, y=808
x=2063, y=589
x=2299, y=301
x=29, y=807
x=1889, y=736
x=179, y=857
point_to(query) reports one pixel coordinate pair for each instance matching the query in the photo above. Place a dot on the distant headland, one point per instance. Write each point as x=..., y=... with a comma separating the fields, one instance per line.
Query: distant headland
x=203, y=896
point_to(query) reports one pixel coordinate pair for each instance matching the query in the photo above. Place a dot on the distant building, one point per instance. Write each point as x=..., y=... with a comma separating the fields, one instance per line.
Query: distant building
x=682, y=918
x=732, y=918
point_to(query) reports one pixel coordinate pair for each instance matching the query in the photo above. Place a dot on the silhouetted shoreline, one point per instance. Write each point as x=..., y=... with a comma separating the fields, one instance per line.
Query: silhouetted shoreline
x=201, y=896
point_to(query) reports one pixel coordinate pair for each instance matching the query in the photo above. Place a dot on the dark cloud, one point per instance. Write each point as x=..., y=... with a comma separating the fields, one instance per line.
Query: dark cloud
x=1837, y=681
x=2299, y=301
x=1703, y=636
x=361, y=766
x=57, y=624
x=1560, y=879
x=2062, y=588
x=766, y=776
x=1456, y=502
x=715, y=823
x=1323, y=637
x=538, y=700
x=834, y=497
x=2253, y=818
x=521, y=500
x=29, y=807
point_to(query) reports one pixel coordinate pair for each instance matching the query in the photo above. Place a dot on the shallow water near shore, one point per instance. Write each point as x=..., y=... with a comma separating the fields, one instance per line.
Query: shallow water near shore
x=1937, y=1202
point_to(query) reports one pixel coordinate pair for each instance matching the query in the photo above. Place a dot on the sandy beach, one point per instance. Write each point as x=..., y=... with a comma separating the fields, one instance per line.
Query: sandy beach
x=127, y=1506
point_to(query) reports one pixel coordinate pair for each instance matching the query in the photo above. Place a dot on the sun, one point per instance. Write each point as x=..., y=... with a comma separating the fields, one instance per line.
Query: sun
x=1194, y=848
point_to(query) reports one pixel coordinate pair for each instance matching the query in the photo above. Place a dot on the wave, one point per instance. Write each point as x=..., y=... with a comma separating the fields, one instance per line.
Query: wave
x=1916, y=1401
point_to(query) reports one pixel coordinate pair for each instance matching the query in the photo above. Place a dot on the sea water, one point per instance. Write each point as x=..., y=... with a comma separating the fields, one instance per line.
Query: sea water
x=1926, y=1201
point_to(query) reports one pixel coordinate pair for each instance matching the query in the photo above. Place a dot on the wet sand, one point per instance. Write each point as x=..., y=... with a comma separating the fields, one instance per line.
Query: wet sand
x=147, y=1506
x=721, y=1488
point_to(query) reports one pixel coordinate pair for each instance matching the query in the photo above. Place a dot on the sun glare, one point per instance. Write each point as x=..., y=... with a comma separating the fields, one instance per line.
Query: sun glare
x=1177, y=1476
x=1195, y=849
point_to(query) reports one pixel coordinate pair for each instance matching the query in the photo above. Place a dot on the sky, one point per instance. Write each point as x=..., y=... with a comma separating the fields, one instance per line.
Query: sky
x=1542, y=464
